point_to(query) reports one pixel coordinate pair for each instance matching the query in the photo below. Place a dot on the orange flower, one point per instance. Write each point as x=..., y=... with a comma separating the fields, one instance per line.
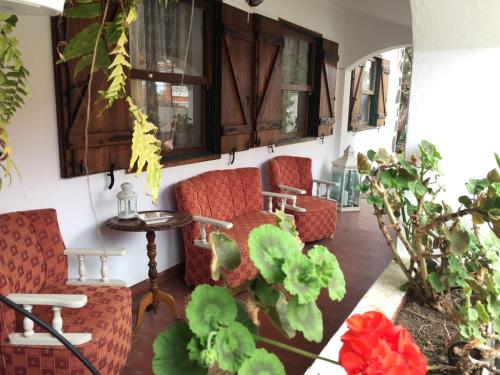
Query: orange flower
x=375, y=346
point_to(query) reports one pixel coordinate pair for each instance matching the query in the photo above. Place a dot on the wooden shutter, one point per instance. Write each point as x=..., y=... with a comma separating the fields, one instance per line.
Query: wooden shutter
x=383, y=70
x=329, y=61
x=109, y=133
x=237, y=80
x=268, y=54
x=355, y=99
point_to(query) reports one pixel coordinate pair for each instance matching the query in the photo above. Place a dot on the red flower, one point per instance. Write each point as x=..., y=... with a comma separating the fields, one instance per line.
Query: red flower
x=375, y=346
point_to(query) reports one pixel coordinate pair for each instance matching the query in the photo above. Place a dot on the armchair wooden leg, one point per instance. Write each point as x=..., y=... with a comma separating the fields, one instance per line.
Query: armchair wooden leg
x=332, y=235
x=146, y=301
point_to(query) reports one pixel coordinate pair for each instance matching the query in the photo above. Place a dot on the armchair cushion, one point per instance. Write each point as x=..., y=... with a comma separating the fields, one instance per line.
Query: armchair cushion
x=319, y=219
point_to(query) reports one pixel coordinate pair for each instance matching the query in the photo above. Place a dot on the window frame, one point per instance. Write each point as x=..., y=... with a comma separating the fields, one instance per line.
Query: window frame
x=208, y=150
x=312, y=38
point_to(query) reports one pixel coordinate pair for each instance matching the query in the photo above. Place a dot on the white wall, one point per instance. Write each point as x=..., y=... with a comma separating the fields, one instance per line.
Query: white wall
x=454, y=91
x=35, y=149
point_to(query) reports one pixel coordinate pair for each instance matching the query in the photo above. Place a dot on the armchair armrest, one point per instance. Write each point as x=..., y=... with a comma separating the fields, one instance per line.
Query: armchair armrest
x=284, y=198
x=328, y=185
x=286, y=188
x=57, y=301
x=81, y=253
x=202, y=242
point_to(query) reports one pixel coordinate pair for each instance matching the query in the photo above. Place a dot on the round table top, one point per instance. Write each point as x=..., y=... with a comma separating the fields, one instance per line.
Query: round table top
x=137, y=225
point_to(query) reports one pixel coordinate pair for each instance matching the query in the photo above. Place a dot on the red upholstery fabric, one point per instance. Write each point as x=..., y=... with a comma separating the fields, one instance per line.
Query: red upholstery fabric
x=231, y=195
x=32, y=239
x=320, y=218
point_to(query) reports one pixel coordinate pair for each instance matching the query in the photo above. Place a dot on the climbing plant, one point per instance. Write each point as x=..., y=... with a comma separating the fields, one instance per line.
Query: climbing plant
x=13, y=89
x=221, y=331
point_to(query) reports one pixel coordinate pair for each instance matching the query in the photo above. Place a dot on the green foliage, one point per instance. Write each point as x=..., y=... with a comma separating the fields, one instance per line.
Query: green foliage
x=262, y=363
x=444, y=250
x=221, y=331
x=13, y=89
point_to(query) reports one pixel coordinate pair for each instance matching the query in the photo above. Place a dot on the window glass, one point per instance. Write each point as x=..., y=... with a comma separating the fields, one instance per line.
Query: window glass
x=365, y=108
x=293, y=112
x=159, y=38
x=175, y=109
x=295, y=61
x=368, y=76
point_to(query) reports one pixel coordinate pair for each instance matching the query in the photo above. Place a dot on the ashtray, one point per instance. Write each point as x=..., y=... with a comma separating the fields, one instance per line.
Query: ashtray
x=155, y=217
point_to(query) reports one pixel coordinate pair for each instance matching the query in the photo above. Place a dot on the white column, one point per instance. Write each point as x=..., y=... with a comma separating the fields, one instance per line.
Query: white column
x=104, y=268
x=81, y=268
x=57, y=322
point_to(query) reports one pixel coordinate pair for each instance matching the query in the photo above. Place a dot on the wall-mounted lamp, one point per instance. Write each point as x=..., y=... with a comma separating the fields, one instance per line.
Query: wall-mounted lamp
x=254, y=3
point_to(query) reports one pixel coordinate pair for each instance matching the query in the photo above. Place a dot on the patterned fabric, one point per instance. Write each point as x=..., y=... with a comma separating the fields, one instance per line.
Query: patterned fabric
x=231, y=195
x=34, y=237
x=319, y=220
x=291, y=171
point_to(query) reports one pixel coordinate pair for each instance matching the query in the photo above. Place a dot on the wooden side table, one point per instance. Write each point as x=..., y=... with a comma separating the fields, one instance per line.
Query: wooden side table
x=154, y=296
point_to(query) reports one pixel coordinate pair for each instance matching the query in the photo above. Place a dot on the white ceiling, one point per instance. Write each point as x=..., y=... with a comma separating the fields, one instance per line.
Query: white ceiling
x=397, y=11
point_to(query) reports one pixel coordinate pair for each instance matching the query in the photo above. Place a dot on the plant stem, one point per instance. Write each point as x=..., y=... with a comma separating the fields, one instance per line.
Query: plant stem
x=293, y=349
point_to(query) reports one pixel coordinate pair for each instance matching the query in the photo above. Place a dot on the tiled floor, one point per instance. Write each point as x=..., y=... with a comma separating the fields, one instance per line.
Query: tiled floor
x=363, y=255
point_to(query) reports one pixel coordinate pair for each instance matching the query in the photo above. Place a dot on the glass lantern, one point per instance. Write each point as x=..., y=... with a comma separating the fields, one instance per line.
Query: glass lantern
x=127, y=202
x=345, y=178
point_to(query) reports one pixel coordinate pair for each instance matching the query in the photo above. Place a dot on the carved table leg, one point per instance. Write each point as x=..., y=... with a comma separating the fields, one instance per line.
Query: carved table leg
x=153, y=272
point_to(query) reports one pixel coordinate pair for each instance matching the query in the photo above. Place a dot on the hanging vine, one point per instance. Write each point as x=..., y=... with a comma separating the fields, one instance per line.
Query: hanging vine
x=13, y=89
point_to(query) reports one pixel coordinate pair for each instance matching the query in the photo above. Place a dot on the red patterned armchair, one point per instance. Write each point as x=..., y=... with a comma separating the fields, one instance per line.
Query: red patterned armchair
x=293, y=175
x=230, y=201
x=96, y=318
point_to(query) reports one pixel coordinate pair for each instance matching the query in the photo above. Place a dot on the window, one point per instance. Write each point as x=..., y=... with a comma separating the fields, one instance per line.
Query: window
x=169, y=79
x=367, y=106
x=296, y=83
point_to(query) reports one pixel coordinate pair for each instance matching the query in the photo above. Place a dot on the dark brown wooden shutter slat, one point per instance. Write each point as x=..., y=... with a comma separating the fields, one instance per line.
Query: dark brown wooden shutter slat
x=268, y=51
x=382, y=93
x=109, y=133
x=328, y=84
x=355, y=99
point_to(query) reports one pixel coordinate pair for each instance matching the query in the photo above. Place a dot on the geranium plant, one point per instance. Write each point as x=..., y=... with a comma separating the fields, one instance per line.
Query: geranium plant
x=445, y=251
x=222, y=330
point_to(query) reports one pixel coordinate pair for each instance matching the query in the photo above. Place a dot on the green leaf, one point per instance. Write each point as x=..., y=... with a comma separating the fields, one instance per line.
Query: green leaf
x=459, y=239
x=233, y=345
x=264, y=293
x=262, y=363
x=278, y=315
x=268, y=247
x=171, y=355
x=210, y=308
x=225, y=253
x=89, y=10
x=363, y=187
x=388, y=178
x=375, y=200
x=301, y=278
x=364, y=165
x=475, y=186
x=328, y=269
x=408, y=167
x=382, y=156
x=497, y=158
x=436, y=282
x=287, y=223
x=306, y=318
x=101, y=62
x=429, y=155
x=194, y=348
x=371, y=155
x=417, y=188
x=482, y=313
x=465, y=200
x=82, y=43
